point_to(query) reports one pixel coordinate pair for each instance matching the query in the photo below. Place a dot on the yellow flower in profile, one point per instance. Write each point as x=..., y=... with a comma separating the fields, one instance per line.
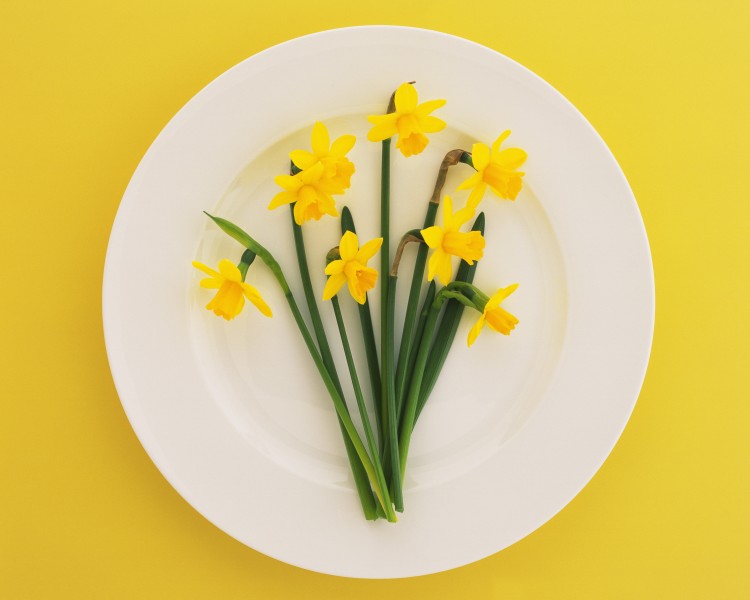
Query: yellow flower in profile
x=410, y=121
x=309, y=192
x=494, y=315
x=447, y=241
x=233, y=290
x=337, y=169
x=352, y=268
x=497, y=169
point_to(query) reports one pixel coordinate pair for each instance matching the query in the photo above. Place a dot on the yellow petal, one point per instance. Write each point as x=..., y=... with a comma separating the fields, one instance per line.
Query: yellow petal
x=311, y=175
x=406, y=98
x=499, y=296
x=476, y=196
x=320, y=139
x=426, y=108
x=444, y=271
x=207, y=270
x=475, y=330
x=254, y=296
x=480, y=156
x=302, y=159
x=335, y=267
x=368, y=250
x=433, y=236
x=511, y=158
x=500, y=139
x=470, y=182
x=348, y=246
x=212, y=283
x=447, y=213
x=342, y=145
x=291, y=183
x=229, y=270
x=431, y=124
x=282, y=198
x=333, y=285
x=356, y=290
x=385, y=127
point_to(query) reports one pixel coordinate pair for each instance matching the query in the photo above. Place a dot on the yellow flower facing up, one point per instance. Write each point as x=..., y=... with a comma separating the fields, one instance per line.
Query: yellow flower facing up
x=447, y=241
x=496, y=169
x=310, y=193
x=337, y=169
x=495, y=315
x=233, y=290
x=410, y=121
x=352, y=268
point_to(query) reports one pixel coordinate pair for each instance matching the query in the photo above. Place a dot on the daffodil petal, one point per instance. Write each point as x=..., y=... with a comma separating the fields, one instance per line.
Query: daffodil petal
x=348, y=246
x=356, y=291
x=470, y=182
x=406, y=98
x=342, y=145
x=433, y=236
x=476, y=196
x=206, y=269
x=444, y=271
x=302, y=159
x=282, y=198
x=311, y=175
x=320, y=139
x=383, y=130
x=500, y=139
x=431, y=124
x=480, y=156
x=229, y=270
x=212, y=283
x=427, y=107
x=475, y=330
x=335, y=267
x=290, y=183
x=511, y=158
x=333, y=285
x=368, y=250
x=254, y=296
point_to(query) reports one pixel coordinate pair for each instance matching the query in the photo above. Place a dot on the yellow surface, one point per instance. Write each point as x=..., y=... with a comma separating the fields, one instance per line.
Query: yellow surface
x=86, y=86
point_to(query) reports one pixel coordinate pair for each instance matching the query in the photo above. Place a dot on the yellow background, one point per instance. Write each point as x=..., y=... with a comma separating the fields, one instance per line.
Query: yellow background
x=87, y=86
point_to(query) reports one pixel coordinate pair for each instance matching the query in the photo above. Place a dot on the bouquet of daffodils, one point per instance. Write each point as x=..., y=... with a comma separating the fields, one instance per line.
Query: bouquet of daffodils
x=400, y=382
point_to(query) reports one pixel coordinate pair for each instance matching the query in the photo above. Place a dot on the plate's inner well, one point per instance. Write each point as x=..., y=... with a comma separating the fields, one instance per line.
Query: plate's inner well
x=258, y=369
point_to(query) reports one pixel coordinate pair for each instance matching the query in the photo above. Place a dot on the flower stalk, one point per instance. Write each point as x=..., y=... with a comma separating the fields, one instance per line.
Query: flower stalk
x=342, y=411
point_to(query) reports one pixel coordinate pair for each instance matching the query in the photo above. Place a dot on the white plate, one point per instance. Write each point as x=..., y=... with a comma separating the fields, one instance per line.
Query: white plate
x=234, y=414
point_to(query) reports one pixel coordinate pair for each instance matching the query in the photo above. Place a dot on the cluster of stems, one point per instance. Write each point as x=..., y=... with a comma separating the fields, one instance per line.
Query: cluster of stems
x=401, y=383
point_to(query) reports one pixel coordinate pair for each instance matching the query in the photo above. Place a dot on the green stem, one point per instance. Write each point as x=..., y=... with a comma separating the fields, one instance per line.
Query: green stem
x=368, y=335
x=410, y=409
x=385, y=500
x=358, y=457
x=419, y=334
x=391, y=419
x=407, y=341
x=448, y=327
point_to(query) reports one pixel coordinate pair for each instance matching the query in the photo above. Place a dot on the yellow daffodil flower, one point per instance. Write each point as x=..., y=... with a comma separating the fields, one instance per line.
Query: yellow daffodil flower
x=497, y=169
x=495, y=316
x=336, y=167
x=310, y=193
x=352, y=268
x=410, y=121
x=447, y=241
x=233, y=290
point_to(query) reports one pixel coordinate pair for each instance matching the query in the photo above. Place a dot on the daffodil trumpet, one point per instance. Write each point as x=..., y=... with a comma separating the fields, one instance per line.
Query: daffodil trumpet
x=339, y=404
x=407, y=337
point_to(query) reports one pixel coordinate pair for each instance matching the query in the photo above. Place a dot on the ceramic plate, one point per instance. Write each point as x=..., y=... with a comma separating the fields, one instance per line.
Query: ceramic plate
x=234, y=414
